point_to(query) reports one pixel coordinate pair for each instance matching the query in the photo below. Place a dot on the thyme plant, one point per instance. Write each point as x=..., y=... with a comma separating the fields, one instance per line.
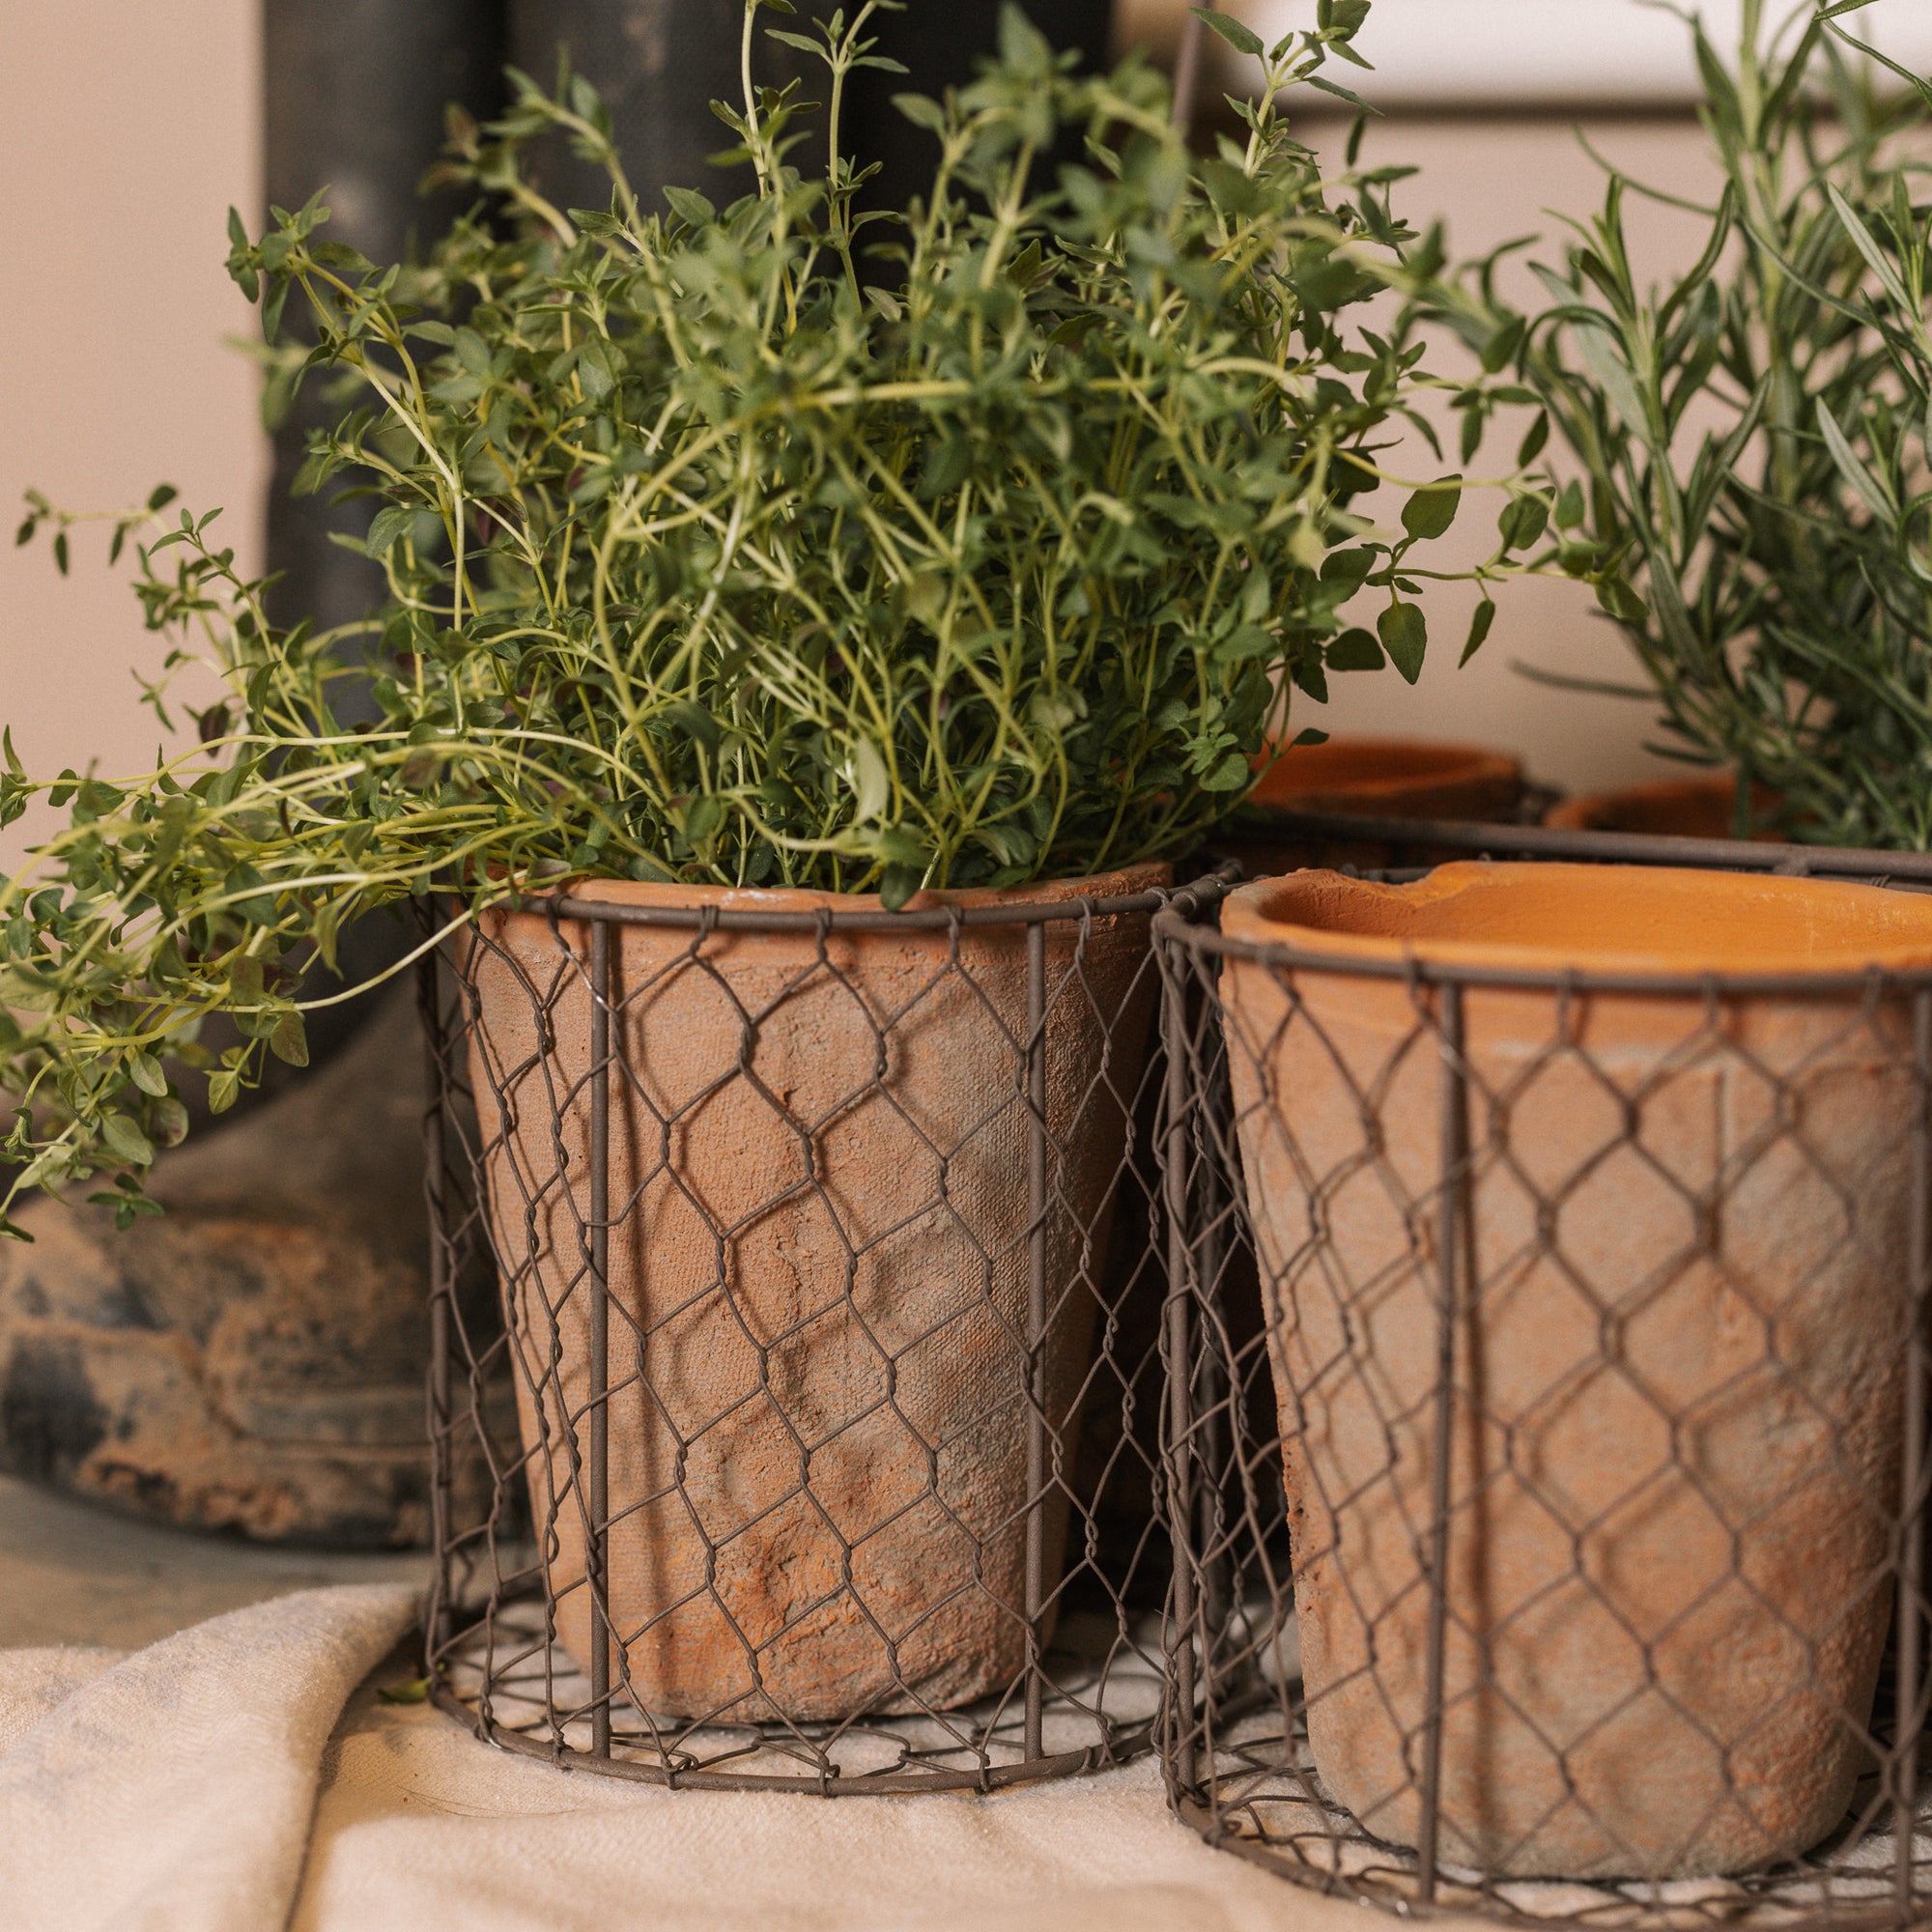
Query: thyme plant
x=769, y=544
x=1752, y=435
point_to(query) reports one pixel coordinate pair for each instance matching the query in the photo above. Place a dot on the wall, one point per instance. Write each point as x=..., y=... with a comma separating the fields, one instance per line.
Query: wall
x=1493, y=180
x=129, y=130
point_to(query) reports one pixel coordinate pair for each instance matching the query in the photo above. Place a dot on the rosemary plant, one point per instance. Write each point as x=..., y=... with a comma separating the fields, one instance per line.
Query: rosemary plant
x=1752, y=435
x=771, y=545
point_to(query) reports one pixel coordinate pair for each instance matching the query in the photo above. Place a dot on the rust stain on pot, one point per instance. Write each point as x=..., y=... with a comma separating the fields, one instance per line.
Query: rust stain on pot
x=818, y=1279
x=1678, y=1375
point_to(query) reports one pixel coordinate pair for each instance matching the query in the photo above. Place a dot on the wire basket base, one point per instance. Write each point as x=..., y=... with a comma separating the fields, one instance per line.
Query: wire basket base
x=516, y=1688
x=1262, y=1800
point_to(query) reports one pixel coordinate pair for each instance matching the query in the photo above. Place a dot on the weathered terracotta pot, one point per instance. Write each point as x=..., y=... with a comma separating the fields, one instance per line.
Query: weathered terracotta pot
x=1375, y=777
x=1678, y=1353
x=1673, y=808
x=819, y=1277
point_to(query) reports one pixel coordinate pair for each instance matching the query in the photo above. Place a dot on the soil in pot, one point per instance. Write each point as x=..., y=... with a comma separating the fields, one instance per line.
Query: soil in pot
x=818, y=1278
x=1375, y=777
x=1678, y=1353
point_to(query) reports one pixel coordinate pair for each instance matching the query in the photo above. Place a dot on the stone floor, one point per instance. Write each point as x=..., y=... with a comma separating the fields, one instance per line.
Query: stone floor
x=72, y=1573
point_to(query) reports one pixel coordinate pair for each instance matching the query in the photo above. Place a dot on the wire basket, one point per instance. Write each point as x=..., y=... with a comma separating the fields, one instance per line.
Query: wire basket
x=1547, y=1419
x=821, y=1418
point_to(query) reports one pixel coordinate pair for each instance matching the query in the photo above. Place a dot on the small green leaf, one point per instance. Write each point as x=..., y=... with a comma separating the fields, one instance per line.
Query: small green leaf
x=1248, y=640
x=145, y=1070
x=250, y=895
x=1405, y=636
x=1429, y=512
x=388, y=526
x=1876, y=257
x=1243, y=40
x=473, y=352
x=1230, y=773
x=1479, y=631
x=1355, y=650
x=921, y=111
x=1524, y=519
x=408, y=1691
x=871, y=780
x=598, y=368
x=125, y=1141
x=1622, y=601
x=288, y=1041
x=690, y=207
x=1877, y=498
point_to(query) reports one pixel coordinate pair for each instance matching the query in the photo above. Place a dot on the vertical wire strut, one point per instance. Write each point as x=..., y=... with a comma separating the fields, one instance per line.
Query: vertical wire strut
x=600, y=1338
x=1177, y=1348
x=1450, y=1234
x=1035, y=1528
x=436, y=1050
x=1215, y=1358
x=1912, y=1502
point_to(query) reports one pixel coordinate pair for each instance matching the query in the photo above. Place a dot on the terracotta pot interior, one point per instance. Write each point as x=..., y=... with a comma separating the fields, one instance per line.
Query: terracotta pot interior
x=1604, y=918
x=1673, y=808
x=1346, y=770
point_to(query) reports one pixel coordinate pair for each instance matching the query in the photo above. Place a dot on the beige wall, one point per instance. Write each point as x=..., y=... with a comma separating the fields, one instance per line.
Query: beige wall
x=130, y=127
x=1493, y=181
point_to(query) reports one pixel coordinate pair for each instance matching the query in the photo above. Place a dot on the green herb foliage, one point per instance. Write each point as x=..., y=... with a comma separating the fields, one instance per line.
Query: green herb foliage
x=1755, y=503
x=770, y=545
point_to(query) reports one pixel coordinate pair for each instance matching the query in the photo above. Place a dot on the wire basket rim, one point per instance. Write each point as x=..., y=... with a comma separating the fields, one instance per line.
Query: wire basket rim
x=1184, y=927
x=1209, y=887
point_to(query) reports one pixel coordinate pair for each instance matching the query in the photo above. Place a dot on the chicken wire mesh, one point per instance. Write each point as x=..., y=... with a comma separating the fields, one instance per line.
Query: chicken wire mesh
x=819, y=1400
x=1546, y=1437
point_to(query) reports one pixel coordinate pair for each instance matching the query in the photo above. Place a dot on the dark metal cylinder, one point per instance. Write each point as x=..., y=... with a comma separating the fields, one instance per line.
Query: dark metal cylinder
x=659, y=65
x=941, y=45
x=352, y=99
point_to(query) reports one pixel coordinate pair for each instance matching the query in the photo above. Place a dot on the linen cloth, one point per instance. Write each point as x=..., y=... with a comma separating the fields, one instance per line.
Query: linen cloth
x=233, y=1778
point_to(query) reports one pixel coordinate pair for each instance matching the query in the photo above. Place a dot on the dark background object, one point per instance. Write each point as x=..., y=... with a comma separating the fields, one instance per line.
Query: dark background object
x=941, y=44
x=353, y=97
x=352, y=104
x=659, y=65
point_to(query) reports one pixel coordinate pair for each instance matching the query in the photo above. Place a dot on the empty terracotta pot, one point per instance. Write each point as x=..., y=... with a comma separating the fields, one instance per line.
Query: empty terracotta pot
x=1678, y=1342
x=818, y=1280
x=1376, y=778
x=1672, y=808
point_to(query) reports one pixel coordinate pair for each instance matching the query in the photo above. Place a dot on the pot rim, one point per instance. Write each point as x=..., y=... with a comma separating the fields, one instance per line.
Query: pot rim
x=1583, y=812
x=1433, y=766
x=1253, y=927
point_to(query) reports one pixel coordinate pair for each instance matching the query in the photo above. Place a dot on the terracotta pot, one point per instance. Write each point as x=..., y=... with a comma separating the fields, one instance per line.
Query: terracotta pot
x=1673, y=808
x=818, y=1276
x=1678, y=1357
x=1377, y=777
